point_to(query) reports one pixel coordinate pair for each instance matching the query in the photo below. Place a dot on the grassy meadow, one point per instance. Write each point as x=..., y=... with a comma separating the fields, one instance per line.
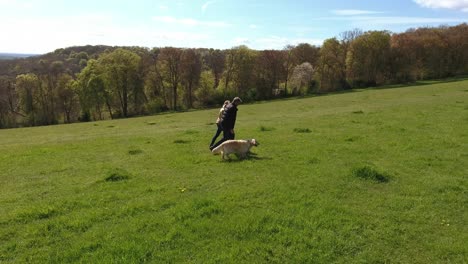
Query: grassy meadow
x=369, y=176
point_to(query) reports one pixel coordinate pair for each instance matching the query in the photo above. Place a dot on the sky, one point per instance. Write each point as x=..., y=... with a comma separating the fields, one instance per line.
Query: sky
x=41, y=26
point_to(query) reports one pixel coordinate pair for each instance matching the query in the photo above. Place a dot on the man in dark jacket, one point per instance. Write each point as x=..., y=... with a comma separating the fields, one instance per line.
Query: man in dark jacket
x=228, y=121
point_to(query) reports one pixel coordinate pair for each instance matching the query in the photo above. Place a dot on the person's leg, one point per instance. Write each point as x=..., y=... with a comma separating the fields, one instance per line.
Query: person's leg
x=226, y=136
x=220, y=129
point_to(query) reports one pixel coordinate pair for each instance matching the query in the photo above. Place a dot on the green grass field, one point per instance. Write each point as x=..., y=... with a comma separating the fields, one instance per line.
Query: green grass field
x=369, y=176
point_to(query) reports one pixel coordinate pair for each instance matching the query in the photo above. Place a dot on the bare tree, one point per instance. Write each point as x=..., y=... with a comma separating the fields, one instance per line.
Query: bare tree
x=169, y=62
x=8, y=102
x=368, y=58
x=331, y=68
x=215, y=60
x=190, y=73
x=66, y=96
x=288, y=65
x=305, y=52
x=268, y=72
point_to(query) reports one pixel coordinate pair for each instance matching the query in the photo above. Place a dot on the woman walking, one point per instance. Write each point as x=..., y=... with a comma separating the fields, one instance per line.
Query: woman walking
x=218, y=123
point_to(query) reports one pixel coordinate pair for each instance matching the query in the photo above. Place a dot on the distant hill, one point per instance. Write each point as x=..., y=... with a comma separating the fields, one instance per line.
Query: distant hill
x=11, y=56
x=13, y=64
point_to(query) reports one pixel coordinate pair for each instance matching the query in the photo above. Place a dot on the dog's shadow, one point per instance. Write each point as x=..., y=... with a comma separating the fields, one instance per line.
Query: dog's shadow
x=250, y=156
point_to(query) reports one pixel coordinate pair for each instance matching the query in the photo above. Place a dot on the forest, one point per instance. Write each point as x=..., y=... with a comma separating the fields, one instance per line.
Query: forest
x=88, y=83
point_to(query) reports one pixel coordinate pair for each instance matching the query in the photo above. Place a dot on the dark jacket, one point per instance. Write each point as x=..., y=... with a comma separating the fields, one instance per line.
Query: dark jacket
x=229, y=116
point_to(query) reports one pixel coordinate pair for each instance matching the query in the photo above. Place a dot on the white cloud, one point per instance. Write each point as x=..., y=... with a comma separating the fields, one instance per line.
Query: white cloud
x=302, y=31
x=163, y=7
x=165, y=19
x=366, y=21
x=353, y=12
x=448, y=4
x=241, y=41
x=8, y=3
x=253, y=26
x=391, y=20
x=16, y=4
x=189, y=22
x=205, y=5
x=44, y=35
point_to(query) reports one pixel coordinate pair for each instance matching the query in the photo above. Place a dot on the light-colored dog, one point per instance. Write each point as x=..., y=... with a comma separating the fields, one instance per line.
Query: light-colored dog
x=239, y=147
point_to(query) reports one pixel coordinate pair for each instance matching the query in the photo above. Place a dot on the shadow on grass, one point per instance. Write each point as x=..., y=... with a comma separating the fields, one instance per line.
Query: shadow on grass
x=135, y=151
x=361, y=89
x=250, y=156
x=181, y=141
x=302, y=130
x=422, y=83
x=396, y=86
x=38, y=213
x=370, y=173
x=117, y=174
x=353, y=90
x=265, y=129
x=191, y=132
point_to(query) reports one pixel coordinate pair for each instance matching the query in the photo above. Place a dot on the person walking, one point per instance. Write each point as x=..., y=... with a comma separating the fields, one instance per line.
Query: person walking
x=228, y=121
x=218, y=123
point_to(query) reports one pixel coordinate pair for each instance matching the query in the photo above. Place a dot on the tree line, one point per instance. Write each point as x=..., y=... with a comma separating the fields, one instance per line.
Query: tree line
x=101, y=82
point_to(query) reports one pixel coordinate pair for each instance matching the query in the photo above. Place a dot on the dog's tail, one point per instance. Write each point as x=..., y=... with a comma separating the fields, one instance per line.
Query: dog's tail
x=217, y=150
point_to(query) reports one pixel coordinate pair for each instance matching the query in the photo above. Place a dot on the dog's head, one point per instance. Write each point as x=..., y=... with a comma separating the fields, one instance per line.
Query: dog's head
x=254, y=142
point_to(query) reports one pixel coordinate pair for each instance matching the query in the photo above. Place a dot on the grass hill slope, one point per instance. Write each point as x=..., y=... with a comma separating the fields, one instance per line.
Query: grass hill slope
x=368, y=176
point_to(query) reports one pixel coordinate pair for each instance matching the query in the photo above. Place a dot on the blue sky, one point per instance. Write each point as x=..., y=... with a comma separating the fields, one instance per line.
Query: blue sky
x=40, y=26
